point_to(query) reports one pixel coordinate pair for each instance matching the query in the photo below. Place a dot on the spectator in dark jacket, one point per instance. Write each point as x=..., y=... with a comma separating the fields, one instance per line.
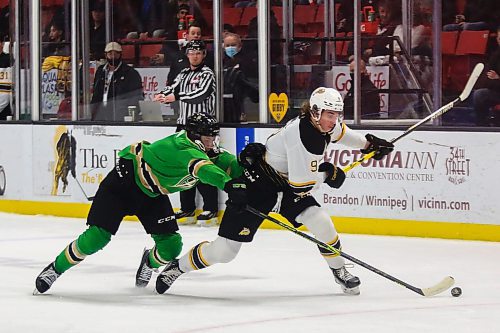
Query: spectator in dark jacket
x=97, y=31
x=471, y=15
x=489, y=96
x=236, y=84
x=116, y=86
x=370, y=99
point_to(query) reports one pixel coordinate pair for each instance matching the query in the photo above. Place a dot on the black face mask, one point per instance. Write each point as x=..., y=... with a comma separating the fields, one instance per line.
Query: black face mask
x=114, y=62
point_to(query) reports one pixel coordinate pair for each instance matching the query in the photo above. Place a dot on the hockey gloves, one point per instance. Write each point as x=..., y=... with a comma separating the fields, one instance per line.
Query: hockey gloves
x=236, y=191
x=381, y=146
x=251, y=154
x=334, y=176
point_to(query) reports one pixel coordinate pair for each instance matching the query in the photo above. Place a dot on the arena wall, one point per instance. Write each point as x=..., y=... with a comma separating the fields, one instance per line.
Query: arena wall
x=437, y=184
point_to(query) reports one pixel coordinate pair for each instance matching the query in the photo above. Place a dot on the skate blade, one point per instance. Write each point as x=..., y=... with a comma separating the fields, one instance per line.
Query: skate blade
x=207, y=223
x=187, y=220
x=351, y=291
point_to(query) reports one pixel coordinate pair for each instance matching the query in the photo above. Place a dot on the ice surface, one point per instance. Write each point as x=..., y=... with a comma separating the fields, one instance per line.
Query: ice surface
x=278, y=283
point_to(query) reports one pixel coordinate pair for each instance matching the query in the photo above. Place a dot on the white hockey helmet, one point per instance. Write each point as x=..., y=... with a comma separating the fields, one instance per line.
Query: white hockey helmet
x=325, y=99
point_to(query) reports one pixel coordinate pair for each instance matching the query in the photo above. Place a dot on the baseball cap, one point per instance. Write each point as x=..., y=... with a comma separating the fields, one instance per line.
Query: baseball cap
x=113, y=46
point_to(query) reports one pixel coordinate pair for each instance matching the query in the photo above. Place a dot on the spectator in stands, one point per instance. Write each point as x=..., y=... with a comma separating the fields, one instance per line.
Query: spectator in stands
x=97, y=31
x=370, y=99
x=391, y=25
x=55, y=44
x=236, y=84
x=175, y=54
x=5, y=81
x=228, y=28
x=345, y=14
x=489, y=96
x=275, y=33
x=194, y=88
x=4, y=20
x=116, y=86
x=470, y=15
x=143, y=17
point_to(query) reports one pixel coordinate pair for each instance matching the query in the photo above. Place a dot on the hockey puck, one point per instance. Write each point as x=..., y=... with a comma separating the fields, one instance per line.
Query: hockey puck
x=456, y=292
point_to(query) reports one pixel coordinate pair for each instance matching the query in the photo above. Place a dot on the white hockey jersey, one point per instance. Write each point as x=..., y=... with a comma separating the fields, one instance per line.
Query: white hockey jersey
x=297, y=149
x=5, y=86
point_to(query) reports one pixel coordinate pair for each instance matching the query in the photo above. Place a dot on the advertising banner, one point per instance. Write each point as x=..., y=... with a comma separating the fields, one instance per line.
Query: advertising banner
x=379, y=75
x=153, y=81
x=70, y=161
x=430, y=176
x=15, y=166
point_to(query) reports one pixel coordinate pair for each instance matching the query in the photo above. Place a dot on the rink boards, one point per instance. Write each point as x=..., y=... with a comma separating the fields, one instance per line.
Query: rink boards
x=437, y=184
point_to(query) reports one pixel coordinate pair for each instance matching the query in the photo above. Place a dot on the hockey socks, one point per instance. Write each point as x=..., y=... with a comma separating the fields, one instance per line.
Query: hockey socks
x=89, y=242
x=167, y=248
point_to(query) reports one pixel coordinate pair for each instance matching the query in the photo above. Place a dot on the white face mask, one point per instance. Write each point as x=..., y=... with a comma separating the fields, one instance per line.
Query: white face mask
x=231, y=51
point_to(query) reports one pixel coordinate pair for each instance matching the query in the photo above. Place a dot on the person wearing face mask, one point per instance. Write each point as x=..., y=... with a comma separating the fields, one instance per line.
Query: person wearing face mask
x=116, y=87
x=370, y=98
x=236, y=84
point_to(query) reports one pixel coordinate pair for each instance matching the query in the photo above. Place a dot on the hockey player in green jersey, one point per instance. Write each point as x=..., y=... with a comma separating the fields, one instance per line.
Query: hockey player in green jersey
x=139, y=185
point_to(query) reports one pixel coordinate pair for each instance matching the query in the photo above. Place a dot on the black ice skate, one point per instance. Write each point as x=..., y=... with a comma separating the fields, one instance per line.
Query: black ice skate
x=46, y=278
x=144, y=272
x=185, y=218
x=207, y=219
x=348, y=282
x=168, y=276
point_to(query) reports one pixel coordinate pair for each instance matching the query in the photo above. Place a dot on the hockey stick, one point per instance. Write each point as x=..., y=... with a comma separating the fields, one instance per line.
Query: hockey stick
x=444, y=285
x=83, y=191
x=439, y=112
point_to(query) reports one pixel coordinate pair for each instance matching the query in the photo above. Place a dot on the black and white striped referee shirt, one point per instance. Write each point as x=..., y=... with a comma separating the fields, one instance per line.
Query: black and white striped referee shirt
x=195, y=91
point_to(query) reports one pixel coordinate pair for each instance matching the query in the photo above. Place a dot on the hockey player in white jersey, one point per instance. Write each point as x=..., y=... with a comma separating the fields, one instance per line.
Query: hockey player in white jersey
x=291, y=162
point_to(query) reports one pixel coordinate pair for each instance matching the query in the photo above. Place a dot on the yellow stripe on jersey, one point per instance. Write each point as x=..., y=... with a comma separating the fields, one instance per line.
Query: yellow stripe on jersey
x=303, y=186
x=198, y=165
x=341, y=133
x=155, y=180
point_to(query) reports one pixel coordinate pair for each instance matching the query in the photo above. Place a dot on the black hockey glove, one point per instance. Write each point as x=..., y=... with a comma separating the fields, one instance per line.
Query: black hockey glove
x=236, y=191
x=381, y=146
x=251, y=154
x=334, y=176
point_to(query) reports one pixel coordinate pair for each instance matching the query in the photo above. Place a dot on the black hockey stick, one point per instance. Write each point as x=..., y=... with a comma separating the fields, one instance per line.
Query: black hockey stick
x=83, y=191
x=444, y=285
x=476, y=72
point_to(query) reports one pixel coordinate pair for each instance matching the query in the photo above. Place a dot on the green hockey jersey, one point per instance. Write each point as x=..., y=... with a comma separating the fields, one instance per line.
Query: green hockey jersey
x=175, y=163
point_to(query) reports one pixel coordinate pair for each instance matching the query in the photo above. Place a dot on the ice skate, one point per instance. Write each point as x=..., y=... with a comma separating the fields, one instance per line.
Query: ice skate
x=348, y=282
x=168, y=276
x=45, y=279
x=185, y=218
x=207, y=219
x=144, y=272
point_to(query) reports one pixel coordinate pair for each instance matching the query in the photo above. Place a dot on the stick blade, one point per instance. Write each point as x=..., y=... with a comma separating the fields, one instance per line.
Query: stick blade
x=444, y=285
x=476, y=72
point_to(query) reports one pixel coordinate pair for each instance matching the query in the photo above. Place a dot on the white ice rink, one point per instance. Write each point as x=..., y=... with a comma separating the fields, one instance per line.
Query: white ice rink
x=278, y=283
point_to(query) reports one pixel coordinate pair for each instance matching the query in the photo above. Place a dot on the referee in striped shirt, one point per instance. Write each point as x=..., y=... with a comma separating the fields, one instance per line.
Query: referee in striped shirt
x=194, y=86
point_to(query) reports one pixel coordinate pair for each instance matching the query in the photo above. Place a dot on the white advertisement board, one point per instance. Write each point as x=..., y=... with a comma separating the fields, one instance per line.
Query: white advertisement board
x=431, y=176
x=153, y=81
x=379, y=75
x=15, y=162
